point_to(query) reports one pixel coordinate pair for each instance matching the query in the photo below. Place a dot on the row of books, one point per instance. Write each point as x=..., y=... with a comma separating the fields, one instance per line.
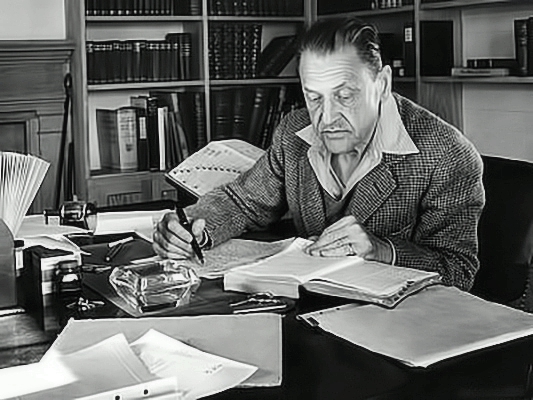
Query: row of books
x=142, y=7
x=121, y=61
x=523, y=36
x=155, y=132
x=235, y=52
x=252, y=113
x=341, y=6
x=261, y=8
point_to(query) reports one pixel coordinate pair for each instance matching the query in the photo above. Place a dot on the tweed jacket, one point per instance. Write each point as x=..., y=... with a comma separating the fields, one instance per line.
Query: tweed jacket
x=427, y=204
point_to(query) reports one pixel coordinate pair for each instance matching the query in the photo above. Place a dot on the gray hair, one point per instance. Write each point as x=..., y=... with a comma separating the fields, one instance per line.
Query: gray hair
x=328, y=35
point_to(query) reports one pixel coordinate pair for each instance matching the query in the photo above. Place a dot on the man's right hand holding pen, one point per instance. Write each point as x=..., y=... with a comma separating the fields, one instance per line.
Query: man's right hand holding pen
x=173, y=240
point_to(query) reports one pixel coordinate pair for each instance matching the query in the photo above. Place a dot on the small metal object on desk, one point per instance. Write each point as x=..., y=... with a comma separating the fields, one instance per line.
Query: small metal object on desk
x=259, y=302
x=83, y=304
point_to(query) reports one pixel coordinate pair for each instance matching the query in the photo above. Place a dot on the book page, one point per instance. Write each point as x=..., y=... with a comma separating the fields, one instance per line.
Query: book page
x=376, y=279
x=216, y=164
x=294, y=264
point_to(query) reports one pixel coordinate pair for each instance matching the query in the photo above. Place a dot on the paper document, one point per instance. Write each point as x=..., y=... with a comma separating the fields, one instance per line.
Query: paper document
x=142, y=222
x=432, y=325
x=218, y=163
x=248, y=339
x=43, y=375
x=198, y=373
x=109, y=365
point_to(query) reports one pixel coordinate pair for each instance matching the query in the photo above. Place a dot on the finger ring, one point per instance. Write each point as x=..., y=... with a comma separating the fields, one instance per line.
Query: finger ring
x=351, y=251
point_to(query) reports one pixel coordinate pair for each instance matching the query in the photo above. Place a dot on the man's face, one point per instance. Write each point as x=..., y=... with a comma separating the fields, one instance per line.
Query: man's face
x=343, y=97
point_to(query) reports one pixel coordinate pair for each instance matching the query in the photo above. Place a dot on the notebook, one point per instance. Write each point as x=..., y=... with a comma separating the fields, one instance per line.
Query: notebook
x=350, y=277
x=216, y=164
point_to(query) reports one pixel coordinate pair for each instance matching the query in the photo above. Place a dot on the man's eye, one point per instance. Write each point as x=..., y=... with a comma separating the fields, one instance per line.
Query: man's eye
x=345, y=96
x=314, y=99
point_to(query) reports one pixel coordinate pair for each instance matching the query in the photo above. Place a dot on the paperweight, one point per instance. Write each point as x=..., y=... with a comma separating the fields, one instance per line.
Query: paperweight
x=155, y=285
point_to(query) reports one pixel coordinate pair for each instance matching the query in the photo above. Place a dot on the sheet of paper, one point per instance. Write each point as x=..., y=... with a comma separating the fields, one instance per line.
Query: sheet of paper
x=237, y=252
x=44, y=376
x=216, y=164
x=142, y=222
x=53, y=242
x=253, y=339
x=107, y=365
x=296, y=265
x=432, y=325
x=198, y=373
x=34, y=225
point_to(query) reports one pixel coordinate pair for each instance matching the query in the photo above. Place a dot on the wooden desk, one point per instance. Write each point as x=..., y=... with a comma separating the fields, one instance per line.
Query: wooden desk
x=317, y=365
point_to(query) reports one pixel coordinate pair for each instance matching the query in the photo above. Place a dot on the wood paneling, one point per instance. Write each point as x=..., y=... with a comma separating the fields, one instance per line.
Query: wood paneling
x=32, y=92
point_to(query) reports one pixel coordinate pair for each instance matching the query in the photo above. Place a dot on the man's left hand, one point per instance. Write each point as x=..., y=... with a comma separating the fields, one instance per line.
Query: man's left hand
x=347, y=237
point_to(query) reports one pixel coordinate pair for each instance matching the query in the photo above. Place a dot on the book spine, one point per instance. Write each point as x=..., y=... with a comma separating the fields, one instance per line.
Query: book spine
x=199, y=114
x=162, y=124
x=140, y=105
x=152, y=133
x=222, y=107
x=521, y=40
x=409, y=49
x=530, y=46
x=258, y=114
x=127, y=139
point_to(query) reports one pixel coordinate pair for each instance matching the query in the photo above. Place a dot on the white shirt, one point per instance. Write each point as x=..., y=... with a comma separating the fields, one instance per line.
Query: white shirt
x=390, y=136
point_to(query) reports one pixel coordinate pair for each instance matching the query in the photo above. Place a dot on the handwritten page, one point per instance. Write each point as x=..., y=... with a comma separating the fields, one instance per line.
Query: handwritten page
x=218, y=163
x=198, y=373
x=432, y=325
x=237, y=252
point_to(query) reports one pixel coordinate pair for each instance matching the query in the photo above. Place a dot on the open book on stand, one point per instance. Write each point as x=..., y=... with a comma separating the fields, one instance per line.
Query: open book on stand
x=218, y=163
x=350, y=277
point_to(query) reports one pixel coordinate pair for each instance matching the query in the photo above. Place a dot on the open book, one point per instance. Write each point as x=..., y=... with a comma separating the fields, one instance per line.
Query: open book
x=350, y=277
x=218, y=163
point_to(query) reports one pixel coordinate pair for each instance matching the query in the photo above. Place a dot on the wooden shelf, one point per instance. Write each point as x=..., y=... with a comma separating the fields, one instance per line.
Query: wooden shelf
x=380, y=12
x=258, y=81
x=143, y=85
x=491, y=80
x=468, y=3
x=144, y=18
x=252, y=18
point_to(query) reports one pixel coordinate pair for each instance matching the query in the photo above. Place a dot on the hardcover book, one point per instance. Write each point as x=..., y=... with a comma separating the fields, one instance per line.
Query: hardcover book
x=117, y=138
x=349, y=277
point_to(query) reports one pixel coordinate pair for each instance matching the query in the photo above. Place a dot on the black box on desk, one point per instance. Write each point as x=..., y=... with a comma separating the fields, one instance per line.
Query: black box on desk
x=436, y=48
x=37, y=284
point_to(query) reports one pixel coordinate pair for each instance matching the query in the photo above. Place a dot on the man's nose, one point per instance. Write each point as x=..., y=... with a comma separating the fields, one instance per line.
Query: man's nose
x=329, y=112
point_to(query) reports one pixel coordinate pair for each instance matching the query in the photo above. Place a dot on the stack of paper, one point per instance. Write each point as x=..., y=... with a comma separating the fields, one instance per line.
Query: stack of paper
x=21, y=177
x=155, y=365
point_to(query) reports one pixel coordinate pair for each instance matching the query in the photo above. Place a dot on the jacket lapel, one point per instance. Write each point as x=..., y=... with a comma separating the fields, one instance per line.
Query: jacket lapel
x=312, y=208
x=373, y=189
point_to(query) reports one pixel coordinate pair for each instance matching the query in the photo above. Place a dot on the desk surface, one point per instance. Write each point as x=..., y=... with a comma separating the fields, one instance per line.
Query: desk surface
x=317, y=365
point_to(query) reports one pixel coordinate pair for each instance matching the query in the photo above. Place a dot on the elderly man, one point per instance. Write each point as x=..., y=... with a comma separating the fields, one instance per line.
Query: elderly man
x=362, y=170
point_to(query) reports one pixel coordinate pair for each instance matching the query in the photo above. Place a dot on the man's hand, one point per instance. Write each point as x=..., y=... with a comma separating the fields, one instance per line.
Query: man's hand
x=171, y=240
x=347, y=237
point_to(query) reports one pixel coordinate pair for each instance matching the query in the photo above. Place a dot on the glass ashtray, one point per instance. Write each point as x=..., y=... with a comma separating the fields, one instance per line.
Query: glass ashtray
x=155, y=285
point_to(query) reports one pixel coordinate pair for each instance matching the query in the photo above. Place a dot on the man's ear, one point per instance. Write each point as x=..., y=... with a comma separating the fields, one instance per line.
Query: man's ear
x=385, y=76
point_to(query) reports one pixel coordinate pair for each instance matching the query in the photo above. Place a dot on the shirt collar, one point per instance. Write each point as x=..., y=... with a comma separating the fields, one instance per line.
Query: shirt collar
x=390, y=137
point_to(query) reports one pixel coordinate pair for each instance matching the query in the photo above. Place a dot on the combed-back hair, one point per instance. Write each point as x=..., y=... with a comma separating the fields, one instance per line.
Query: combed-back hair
x=328, y=35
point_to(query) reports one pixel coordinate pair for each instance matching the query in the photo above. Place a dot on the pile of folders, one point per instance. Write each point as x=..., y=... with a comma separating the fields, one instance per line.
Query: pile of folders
x=122, y=61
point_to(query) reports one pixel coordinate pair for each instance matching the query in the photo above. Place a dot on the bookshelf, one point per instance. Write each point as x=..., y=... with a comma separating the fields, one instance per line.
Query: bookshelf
x=494, y=112
x=95, y=86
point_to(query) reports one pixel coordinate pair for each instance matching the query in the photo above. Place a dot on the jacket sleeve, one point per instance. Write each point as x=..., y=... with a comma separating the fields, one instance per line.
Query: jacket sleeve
x=445, y=234
x=253, y=201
